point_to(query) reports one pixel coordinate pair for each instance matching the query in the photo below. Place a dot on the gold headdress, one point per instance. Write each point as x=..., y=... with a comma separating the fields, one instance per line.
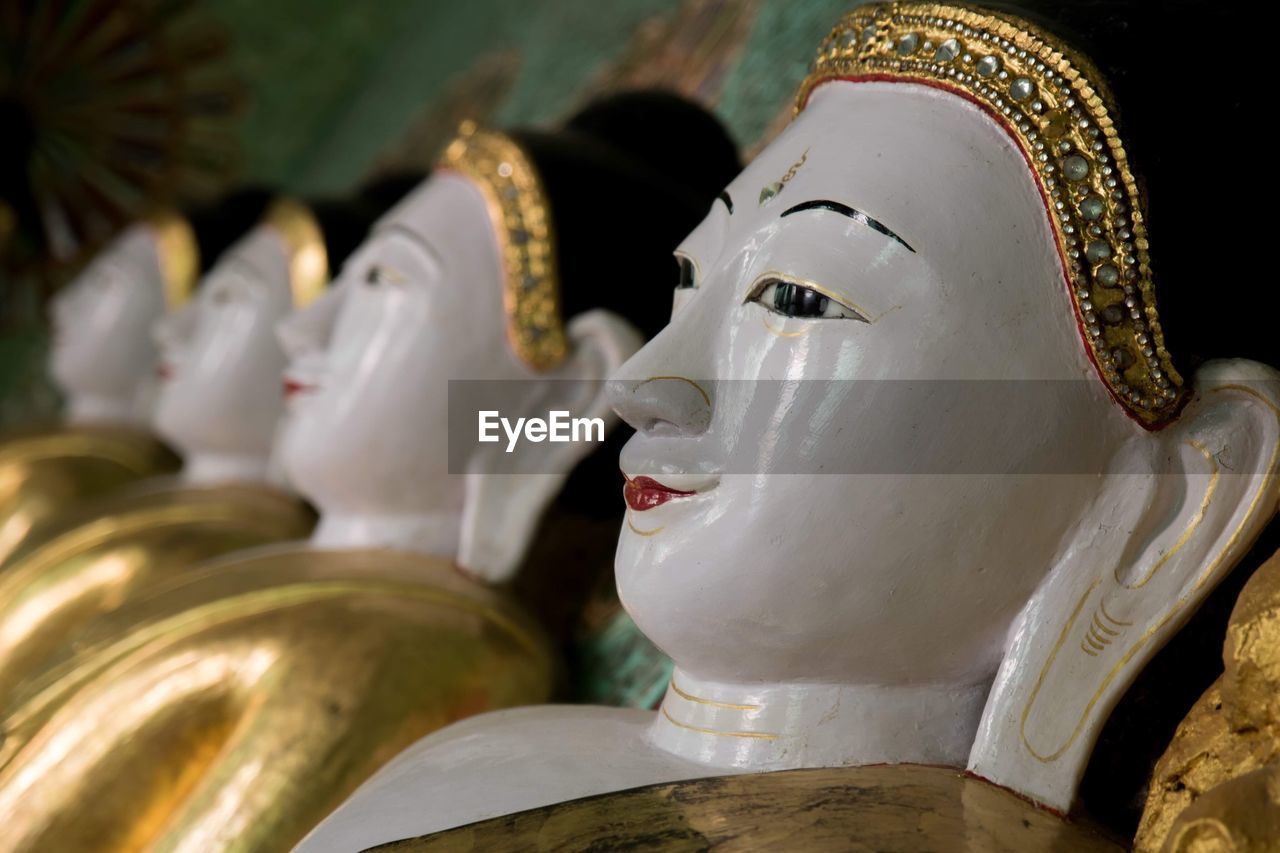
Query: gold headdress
x=308, y=257
x=1054, y=105
x=179, y=255
x=521, y=218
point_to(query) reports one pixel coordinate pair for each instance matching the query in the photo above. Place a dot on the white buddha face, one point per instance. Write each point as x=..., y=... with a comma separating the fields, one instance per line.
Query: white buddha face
x=909, y=242
x=369, y=362
x=101, y=321
x=419, y=304
x=220, y=362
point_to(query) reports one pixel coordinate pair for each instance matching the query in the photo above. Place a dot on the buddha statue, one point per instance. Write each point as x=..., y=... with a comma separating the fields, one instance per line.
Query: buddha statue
x=218, y=404
x=103, y=361
x=278, y=679
x=106, y=361
x=102, y=357
x=917, y=478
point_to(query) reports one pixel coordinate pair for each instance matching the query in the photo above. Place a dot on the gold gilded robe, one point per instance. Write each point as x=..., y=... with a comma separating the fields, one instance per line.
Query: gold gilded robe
x=140, y=539
x=250, y=699
x=45, y=475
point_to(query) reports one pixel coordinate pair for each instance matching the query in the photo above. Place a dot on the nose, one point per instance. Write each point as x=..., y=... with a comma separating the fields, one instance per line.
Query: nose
x=174, y=328
x=309, y=329
x=662, y=405
x=661, y=390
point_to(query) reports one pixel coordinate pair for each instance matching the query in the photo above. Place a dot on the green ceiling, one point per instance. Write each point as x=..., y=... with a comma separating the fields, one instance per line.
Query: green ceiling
x=334, y=82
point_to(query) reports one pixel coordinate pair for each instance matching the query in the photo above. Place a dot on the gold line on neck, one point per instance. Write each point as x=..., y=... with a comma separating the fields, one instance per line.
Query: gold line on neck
x=711, y=702
x=701, y=730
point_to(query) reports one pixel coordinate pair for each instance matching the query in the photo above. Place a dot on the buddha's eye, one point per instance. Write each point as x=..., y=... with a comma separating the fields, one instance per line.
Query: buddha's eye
x=380, y=274
x=687, y=273
x=797, y=300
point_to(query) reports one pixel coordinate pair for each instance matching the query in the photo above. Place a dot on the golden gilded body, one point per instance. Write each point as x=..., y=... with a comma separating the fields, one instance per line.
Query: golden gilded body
x=1217, y=786
x=899, y=807
x=248, y=701
x=46, y=475
x=135, y=542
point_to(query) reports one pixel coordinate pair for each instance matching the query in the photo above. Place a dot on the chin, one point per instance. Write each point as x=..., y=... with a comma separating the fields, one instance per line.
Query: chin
x=176, y=424
x=654, y=588
x=309, y=460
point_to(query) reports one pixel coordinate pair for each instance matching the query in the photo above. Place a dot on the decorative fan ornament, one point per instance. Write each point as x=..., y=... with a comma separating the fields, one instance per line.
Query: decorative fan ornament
x=107, y=108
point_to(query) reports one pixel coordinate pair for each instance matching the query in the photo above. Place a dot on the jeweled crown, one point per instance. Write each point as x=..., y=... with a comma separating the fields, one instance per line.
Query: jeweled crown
x=521, y=218
x=1054, y=104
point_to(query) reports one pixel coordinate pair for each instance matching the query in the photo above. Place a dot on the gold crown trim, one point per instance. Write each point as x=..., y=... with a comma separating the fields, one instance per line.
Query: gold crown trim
x=521, y=217
x=179, y=255
x=1052, y=101
x=304, y=241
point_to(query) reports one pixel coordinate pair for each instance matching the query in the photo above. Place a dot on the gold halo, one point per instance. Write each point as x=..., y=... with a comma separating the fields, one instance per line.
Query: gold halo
x=179, y=255
x=304, y=241
x=521, y=217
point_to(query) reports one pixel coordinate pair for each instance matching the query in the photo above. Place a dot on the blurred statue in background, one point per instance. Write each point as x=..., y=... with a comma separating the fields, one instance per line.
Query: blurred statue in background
x=219, y=403
x=280, y=678
x=103, y=358
x=104, y=362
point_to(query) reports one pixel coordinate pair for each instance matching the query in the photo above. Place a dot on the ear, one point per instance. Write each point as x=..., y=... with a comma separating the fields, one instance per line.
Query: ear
x=506, y=493
x=1138, y=566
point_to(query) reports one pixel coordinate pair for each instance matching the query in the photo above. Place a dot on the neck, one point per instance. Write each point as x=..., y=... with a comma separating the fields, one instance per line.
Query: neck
x=217, y=469
x=89, y=409
x=759, y=727
x=434, y=534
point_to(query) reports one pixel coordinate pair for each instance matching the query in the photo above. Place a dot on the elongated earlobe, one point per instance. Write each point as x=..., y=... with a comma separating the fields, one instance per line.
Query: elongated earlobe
x=1116, y=596
x=506, y=493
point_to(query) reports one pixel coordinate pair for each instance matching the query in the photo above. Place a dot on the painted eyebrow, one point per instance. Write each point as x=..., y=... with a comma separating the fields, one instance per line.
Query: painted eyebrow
x=846, y=210
x=728, y=202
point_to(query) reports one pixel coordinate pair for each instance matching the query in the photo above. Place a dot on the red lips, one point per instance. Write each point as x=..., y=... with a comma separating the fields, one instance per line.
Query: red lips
x=164, y=372
x=644, y=493
x=292, y=386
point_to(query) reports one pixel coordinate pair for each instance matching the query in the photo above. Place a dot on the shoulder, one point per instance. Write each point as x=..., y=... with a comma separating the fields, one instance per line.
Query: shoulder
x=496, y=764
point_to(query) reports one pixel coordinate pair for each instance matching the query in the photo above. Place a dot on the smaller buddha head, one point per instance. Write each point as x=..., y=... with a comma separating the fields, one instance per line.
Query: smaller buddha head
x=220, y=362
x=517, y=262
x=103, y=357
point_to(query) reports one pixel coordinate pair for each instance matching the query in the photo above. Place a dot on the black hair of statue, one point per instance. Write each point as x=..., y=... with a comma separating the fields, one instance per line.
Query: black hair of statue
x=345, y=222
x=222, y=222
x=626, y=180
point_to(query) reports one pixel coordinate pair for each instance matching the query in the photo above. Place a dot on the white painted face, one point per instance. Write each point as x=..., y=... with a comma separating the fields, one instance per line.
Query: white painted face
x=767, y=574
x=420, y=303
x=101, y=321
x=369, y=362
x=220, y=361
